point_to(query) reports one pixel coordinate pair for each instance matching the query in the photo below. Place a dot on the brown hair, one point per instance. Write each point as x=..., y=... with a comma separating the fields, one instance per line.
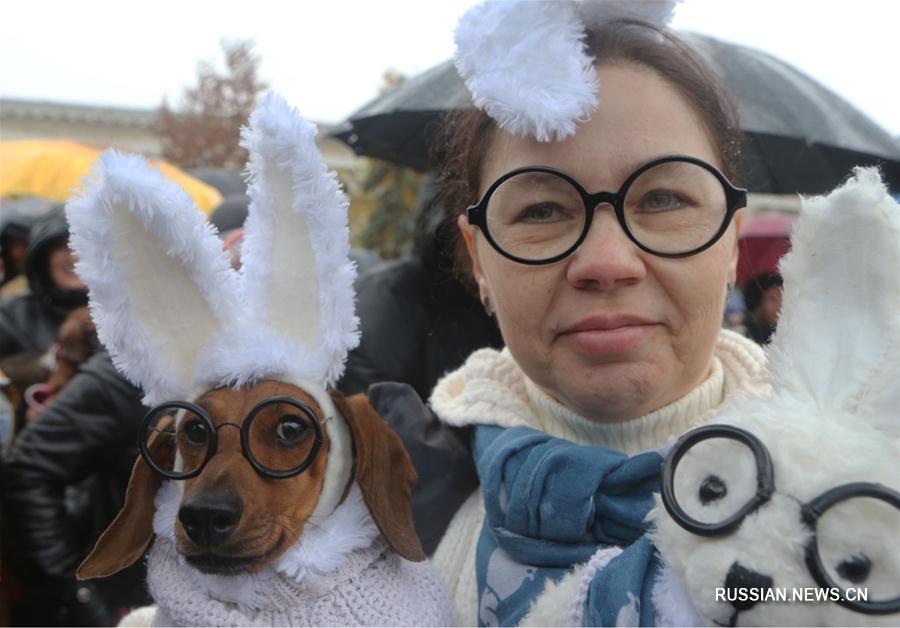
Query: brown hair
x=465, y=136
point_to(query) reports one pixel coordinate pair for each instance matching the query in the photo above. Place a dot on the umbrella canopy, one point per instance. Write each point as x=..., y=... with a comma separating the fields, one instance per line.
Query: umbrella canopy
x=800, y=137
x=762, y=241
x=53, y=169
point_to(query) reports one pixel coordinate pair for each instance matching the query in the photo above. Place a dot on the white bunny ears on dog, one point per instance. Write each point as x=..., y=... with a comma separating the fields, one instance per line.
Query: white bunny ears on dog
x=175, y=317
x=524, y=61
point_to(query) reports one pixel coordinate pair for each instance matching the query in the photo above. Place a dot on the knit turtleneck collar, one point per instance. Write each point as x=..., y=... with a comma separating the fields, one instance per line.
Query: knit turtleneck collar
x=491, y=388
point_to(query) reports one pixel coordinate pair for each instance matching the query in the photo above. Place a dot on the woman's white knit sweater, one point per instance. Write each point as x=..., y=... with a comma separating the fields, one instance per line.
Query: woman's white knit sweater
x=491, y=388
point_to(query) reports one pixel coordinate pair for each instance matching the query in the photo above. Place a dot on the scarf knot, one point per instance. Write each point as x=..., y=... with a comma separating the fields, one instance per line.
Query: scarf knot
x=551, y=504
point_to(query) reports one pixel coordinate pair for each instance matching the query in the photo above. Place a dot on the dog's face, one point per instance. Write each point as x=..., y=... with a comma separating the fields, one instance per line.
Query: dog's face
x=231, y=517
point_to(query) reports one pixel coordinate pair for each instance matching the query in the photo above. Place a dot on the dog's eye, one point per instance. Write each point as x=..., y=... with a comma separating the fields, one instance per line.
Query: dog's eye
x=196, y=432
x=712, y=489
x=290, y=429
x=856, y=569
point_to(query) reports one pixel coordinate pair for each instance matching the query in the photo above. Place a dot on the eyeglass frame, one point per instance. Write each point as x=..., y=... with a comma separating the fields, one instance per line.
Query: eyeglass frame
x=810, y=511
x=735, y=199
x=244, y=428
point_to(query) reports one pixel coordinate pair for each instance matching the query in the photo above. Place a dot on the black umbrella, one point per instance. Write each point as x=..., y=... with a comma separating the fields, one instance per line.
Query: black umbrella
x=799, y=136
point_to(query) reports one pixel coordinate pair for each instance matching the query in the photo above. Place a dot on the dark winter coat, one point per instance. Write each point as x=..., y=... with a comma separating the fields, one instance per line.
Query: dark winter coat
x=414, y=328
x=65, y=481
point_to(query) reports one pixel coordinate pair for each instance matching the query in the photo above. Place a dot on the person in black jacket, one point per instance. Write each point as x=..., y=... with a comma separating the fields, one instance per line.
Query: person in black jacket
x=17, y=217
x=418, y=321
x=65, y=480
x=29, y=323
x=762, y=298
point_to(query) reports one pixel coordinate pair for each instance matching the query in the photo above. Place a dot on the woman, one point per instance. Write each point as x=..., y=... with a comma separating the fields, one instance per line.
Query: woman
x=612, y=341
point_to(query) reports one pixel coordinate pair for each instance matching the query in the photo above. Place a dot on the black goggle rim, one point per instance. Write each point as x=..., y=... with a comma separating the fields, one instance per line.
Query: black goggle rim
x=245, y=438
x=736, y=198
x=765, y=479
x=814, y=509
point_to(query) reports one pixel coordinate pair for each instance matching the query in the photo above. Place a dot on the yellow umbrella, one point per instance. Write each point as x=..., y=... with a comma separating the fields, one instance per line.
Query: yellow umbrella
x=53, y=169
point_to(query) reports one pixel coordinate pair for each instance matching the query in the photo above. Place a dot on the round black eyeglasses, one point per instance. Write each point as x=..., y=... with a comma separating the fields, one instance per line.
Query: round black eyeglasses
x=825, y=573
x=280, y=437
x=675, y=206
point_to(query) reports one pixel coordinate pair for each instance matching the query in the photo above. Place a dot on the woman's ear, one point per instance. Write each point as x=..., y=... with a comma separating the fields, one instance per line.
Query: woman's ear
x=128, y=536
x=736, y=249
x=384, y=473
x=468, y=236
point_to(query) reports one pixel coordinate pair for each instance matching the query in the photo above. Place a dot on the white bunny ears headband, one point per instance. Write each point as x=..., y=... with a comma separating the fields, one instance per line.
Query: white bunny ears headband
x=524, y=61
x=175, y=317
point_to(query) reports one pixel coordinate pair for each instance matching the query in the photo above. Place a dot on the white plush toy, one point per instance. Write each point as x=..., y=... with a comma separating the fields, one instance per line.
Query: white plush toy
x=801, y=500
x=265, y=497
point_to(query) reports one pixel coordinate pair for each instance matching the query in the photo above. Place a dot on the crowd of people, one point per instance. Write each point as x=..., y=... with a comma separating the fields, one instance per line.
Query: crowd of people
x=464, y=334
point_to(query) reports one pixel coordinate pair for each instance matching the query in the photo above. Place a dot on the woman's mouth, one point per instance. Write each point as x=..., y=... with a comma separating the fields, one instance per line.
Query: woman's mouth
x=608, y=335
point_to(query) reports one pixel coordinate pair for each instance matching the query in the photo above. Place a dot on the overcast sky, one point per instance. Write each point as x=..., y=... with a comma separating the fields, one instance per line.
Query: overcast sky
x=328, y=57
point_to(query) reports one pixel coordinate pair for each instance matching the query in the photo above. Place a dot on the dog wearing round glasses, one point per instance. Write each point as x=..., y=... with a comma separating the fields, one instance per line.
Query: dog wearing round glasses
x=794, y=498
x=265, y=497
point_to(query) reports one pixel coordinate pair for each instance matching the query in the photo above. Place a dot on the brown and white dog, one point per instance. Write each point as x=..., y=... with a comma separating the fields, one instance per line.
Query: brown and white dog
x=265, y=498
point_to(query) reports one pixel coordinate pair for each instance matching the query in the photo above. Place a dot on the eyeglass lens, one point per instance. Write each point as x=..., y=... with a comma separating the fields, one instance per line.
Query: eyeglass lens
x=281, y=438
x=862, y=558
x=709, y=492
x=673, y=207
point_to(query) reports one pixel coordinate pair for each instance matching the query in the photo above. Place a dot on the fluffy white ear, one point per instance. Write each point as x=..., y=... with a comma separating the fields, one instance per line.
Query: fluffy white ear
x=524, y=63
x=160, y=284
x=297, y=277
x=838, y=338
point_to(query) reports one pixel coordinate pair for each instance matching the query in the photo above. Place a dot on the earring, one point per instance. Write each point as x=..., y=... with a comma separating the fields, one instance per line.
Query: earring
x=486, y=303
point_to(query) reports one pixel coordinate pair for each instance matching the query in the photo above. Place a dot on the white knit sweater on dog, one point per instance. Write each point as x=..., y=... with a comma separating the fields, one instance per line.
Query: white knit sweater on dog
x=341, y=573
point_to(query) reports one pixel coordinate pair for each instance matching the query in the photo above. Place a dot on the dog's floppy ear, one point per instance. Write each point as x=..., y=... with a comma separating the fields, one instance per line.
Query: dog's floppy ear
x=127, y=537
x=384, y=473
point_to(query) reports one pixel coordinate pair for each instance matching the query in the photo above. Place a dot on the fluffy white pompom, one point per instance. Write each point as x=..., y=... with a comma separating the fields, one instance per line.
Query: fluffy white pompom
x=524, y=62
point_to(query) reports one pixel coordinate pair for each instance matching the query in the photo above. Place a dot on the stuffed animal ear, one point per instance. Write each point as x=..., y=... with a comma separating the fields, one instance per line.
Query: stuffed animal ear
x=297, y=277
x=384, y=473
x=160, y=284
x=838, y=337
x=128, y=536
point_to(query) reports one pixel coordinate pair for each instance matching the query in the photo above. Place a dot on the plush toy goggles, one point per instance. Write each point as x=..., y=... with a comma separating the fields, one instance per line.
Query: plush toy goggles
x=826, y=566
x=280, y=437
x=675, y=206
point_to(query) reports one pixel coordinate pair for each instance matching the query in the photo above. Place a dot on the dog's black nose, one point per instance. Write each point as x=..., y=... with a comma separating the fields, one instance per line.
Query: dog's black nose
x=745, y=587
x=210, y=518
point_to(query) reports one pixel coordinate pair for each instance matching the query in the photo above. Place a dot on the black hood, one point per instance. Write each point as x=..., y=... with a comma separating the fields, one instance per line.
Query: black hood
x=17, y=217
x=49, y=233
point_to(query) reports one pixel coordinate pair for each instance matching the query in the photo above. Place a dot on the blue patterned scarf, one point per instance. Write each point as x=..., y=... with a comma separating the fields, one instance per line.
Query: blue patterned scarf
x=551, y=504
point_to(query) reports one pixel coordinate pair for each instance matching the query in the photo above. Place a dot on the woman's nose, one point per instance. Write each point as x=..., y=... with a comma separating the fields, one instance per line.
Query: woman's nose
x=607, y=259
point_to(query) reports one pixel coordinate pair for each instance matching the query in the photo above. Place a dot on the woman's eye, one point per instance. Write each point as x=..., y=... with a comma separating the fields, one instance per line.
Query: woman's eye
x=196, y=432
x=543, y=212
x=855, y=569
x=663, y=201
x=712, y=489
x=290, y=430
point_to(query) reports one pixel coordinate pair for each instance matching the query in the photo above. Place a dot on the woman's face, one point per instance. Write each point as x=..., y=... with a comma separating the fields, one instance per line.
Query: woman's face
x=610, y=331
